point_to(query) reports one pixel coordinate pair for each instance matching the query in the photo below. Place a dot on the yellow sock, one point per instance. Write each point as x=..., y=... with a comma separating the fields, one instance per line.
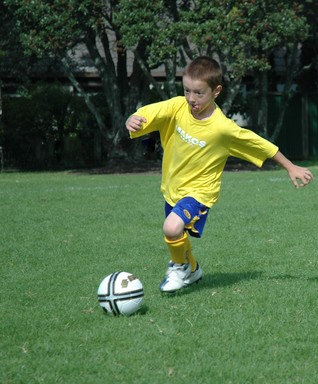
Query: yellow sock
x=181, y=252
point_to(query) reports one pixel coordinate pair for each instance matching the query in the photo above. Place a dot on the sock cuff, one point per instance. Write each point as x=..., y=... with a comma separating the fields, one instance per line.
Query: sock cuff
x=182, y=239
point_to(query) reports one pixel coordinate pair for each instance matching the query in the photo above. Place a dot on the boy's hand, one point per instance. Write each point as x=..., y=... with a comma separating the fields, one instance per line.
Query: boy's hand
x=134, y=123
x=300, y=176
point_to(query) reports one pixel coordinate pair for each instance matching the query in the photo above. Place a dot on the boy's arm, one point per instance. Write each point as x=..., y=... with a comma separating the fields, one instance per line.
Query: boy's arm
x=295, y=172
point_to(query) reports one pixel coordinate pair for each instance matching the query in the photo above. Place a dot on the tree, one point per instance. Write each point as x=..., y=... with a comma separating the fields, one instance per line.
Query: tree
x=9, y=44
x=242, y=34
x=308, y=74
x=54, y=29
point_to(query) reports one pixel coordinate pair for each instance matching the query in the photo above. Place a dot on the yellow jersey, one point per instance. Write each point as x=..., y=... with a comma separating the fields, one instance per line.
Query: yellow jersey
x=196, y=151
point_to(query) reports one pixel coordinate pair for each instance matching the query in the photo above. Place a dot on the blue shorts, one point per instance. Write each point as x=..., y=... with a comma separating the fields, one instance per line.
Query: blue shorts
x=193, y=213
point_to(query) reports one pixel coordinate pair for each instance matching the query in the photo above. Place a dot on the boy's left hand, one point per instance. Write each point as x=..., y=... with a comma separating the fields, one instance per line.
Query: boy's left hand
x=300, y=176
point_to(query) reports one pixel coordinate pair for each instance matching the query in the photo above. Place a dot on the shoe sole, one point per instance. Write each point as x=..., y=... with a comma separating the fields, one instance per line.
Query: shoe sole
x=184, y=286
x=166, y=280
x=194, y=282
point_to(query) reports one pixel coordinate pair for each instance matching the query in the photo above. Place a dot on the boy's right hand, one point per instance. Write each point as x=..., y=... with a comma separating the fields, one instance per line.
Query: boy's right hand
x=134, y=123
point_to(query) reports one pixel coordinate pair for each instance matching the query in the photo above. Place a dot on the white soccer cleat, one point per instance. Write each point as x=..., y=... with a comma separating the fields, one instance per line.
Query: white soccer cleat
x=175, y=277
x=194, y=277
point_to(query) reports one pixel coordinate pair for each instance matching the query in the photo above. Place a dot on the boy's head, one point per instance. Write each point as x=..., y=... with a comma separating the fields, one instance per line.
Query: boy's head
x=202, y=85
x=205, y=69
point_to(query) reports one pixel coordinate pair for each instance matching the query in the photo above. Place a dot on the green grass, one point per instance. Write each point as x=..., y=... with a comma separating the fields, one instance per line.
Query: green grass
x=252, y=319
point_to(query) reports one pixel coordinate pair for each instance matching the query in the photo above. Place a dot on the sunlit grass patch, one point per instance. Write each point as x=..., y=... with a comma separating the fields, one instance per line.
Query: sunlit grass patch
x=252, y=319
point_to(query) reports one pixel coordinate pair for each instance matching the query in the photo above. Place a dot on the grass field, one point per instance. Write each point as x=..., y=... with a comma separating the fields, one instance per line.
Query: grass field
x=252, y=319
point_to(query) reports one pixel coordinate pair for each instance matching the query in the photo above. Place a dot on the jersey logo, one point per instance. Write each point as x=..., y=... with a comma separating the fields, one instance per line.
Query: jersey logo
x=190, y=139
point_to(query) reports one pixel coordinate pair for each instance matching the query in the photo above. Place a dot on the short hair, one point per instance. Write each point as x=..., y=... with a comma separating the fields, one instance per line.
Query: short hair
x=205, y=69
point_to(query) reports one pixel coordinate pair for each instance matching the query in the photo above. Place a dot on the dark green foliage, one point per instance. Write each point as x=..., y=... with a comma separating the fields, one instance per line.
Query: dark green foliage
x=125, y=40
x=49, y=127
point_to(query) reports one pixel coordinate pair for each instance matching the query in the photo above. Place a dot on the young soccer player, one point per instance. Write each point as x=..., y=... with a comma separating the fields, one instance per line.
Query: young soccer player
x=197, y=138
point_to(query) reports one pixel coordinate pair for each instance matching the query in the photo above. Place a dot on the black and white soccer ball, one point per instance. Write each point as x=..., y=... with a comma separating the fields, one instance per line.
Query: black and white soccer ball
x=121, y=293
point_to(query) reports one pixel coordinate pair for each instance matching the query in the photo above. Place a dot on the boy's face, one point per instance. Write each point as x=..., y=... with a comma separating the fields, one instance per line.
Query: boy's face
x=200, y=97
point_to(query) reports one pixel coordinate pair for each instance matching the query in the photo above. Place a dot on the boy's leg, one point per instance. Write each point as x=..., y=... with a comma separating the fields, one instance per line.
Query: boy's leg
x=188, y=215
x=183, y=270
x=181, y=252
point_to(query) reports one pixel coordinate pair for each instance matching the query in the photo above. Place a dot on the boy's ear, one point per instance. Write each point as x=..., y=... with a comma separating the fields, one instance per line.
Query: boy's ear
x=217, y=91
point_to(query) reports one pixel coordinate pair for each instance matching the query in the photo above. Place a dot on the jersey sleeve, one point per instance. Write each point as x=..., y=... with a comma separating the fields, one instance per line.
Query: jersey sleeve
x=247, y=145
x=159, y=117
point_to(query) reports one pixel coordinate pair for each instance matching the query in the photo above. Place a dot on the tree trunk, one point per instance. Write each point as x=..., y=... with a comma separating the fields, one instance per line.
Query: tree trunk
x=170, y=66
x=262, y=114
x=90, y=105
x=287, y=94
x=233, y=88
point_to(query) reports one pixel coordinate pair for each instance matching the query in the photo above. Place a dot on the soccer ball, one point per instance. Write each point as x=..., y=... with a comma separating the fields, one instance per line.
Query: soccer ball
x=120, y=293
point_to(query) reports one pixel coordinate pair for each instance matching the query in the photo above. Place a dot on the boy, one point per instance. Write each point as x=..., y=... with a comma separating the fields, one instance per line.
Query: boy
x=197, y=139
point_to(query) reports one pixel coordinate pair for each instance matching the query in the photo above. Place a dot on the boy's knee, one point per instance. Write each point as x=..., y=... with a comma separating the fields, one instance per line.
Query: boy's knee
x=173, y=230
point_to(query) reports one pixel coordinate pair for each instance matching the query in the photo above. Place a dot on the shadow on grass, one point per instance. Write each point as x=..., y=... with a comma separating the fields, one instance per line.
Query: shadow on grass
x=217, y=280
x=313, y=279
x=293, y=277
x=214, y=280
